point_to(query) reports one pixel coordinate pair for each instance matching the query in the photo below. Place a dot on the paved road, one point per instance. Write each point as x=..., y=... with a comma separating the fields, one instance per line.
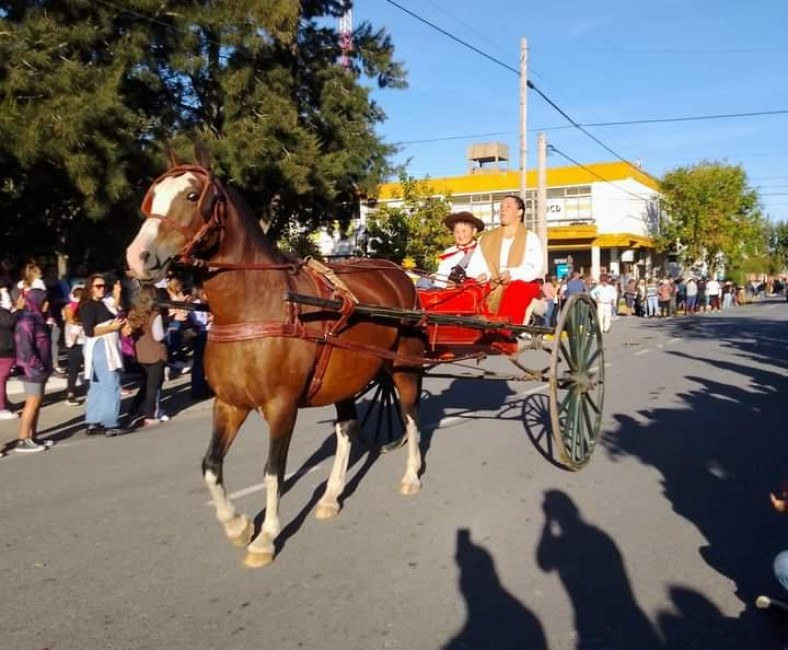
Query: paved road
x=661, y=542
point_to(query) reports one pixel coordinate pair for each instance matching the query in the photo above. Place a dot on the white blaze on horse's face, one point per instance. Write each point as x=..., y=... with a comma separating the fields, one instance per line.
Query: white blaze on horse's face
x=146, y=255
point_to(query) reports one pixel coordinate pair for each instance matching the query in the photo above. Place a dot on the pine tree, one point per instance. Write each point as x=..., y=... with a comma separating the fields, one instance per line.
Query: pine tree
x=90, y=90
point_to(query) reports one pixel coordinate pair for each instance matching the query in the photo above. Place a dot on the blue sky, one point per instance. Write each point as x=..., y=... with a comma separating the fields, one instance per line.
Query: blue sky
x=600, y=61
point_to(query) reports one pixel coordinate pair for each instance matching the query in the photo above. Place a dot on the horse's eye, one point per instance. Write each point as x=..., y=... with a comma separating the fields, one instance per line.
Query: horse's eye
x=192, y=196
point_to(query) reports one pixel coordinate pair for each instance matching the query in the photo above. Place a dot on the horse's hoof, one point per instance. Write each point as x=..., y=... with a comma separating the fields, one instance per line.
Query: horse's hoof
x=257, y=560
x=409, y=489
x=240, y=533
x=326, y=510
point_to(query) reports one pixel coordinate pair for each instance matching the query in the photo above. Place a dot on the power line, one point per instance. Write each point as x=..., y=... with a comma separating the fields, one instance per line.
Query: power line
x=454, y=38
x=531, y=85
x=654, y=120
x=551, y=148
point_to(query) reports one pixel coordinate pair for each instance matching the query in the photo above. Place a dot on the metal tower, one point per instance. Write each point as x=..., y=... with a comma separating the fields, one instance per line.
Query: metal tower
x=346, y=34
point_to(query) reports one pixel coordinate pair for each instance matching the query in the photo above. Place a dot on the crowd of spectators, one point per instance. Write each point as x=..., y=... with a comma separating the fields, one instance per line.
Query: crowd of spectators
x=653, y=297
x=105, y=335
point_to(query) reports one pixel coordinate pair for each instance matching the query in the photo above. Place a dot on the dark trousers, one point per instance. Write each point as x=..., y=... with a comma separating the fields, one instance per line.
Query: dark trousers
x=75, y=360
x=152, y=380
x=199, y=385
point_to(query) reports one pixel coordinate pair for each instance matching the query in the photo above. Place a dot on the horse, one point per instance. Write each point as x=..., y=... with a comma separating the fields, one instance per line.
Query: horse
x=266, y=354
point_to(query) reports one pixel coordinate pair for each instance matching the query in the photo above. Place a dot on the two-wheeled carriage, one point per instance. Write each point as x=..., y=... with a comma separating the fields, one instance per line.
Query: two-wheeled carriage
x=459, y=328
x=289, y=334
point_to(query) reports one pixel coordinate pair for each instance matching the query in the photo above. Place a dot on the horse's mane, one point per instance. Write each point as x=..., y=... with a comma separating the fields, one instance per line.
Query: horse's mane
x=252, y=226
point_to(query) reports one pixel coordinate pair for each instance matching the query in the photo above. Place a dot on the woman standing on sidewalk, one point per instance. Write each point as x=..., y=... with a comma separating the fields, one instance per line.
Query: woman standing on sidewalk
x=103, y=359
x=7, y=349
x=147, y=326
x=34, y=358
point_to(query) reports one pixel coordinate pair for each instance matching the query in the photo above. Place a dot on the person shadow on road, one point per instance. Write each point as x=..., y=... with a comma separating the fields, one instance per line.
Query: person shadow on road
x=496, y=619
x=592, y=571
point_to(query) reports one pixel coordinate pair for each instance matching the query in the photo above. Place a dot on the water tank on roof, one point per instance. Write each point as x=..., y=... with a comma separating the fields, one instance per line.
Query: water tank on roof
x=486, y=157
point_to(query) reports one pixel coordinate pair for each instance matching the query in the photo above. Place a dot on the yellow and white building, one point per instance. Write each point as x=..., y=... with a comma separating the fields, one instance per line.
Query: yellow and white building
x=601, y=217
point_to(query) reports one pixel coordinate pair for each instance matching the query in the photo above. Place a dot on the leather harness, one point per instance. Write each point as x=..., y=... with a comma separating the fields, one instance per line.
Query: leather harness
x=326, y=282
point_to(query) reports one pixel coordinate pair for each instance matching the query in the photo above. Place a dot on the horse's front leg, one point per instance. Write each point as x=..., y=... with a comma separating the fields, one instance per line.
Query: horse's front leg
x=346, y=429
x=281, y=420
x=227, y=420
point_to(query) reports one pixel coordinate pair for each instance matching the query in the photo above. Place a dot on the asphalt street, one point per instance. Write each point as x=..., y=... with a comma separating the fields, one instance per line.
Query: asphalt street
x=663, y=541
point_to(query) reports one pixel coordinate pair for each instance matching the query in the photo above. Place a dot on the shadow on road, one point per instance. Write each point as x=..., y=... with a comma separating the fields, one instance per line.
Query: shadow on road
x=720, y=455
x=496, y=619
x=592, y=572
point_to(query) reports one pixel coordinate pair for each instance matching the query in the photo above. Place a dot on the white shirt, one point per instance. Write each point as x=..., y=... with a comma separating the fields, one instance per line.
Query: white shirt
x=604, y=294
x=447, y=261
x=713, y=288
x=528, y=270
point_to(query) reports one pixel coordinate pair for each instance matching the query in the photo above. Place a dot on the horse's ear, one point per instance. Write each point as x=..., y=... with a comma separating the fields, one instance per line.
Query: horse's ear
x=201, y=155
x=173, y=160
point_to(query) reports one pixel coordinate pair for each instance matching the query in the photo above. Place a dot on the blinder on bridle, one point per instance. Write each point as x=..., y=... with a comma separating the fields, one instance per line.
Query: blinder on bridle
x=211, y=206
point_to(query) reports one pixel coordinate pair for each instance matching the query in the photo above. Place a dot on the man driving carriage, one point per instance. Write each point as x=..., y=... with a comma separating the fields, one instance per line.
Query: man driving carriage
x=511, y=258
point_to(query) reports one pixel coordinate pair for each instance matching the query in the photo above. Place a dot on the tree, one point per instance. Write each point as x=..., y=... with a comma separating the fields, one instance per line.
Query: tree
x=778, y=241
x=415, y=229
x=713, y=215
x=91, y=89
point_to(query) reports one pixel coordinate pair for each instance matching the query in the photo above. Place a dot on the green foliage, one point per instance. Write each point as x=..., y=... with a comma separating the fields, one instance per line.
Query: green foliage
x=415, y=229
x=713, y=215
x=778, y=244
x=91, y=89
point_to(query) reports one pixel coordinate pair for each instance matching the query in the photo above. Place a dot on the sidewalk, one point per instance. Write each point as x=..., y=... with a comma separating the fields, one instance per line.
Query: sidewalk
x=54, y=385
x=61, y=422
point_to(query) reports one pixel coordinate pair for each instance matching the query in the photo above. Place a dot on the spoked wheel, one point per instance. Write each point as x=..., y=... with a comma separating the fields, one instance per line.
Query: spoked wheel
x=577, y=382
x=381, y=427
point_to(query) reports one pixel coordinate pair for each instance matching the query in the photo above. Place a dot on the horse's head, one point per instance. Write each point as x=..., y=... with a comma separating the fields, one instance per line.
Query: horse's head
x=182, y=215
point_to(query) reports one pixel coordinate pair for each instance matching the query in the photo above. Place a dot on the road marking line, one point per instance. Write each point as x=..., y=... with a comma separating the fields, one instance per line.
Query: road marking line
x=660, y=345
x=443, y=422
x=674, y=340
x=639, y=352
x=258, y=487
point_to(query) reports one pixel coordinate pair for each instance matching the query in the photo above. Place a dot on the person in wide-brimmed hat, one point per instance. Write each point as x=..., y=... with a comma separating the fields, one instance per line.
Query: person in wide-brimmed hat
x=454, y=260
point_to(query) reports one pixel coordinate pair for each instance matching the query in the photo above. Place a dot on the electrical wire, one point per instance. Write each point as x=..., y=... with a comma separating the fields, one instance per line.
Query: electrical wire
x=655, y=120
x=551, y=148
x=530, y=84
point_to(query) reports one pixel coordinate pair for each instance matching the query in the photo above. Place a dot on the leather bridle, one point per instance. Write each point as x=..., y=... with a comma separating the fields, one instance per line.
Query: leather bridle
x=212, y=206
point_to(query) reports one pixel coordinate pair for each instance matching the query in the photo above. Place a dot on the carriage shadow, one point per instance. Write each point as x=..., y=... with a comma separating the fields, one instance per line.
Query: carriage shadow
x=717, y=457
x=503, y=403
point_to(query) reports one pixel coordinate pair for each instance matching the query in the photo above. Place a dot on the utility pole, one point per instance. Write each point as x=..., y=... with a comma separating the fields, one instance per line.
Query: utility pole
x=541, y=198
x=524, y=124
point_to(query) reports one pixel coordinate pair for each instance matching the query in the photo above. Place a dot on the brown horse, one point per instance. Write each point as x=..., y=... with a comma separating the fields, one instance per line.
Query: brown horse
x=258, y=357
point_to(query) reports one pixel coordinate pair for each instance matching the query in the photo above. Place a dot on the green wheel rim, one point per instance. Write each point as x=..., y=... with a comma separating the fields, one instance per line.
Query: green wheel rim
x=577, y=382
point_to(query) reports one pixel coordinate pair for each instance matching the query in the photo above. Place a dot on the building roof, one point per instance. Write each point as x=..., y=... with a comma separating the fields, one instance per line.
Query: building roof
x=510, y=180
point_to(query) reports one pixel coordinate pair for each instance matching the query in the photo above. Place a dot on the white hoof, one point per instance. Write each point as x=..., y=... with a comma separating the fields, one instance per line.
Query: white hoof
x=240, y=530
x=255, y=560
x=410, y=487
x=326, y=510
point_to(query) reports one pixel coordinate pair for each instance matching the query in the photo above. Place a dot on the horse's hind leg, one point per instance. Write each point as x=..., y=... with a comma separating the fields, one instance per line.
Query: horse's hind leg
x=408, y=382
x=227, y=420
x=346, y=429
x=281, y=419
